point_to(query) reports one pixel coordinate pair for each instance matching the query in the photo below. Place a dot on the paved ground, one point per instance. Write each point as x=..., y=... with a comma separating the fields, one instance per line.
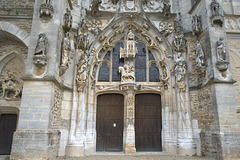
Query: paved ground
x=136, y=157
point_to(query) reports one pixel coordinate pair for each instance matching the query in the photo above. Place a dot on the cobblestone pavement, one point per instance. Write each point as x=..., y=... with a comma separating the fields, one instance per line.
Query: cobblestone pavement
x=137, y=157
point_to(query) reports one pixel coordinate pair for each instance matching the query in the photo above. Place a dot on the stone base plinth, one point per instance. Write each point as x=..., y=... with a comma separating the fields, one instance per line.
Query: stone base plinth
x=129, y=148
x=74, y=151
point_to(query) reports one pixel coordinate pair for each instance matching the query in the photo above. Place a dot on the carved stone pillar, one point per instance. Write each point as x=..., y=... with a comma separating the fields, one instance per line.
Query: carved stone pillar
x=129, y=118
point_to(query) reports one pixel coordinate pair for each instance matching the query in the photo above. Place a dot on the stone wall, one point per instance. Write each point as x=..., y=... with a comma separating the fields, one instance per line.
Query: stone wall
x=17, y=4
x=234, y=52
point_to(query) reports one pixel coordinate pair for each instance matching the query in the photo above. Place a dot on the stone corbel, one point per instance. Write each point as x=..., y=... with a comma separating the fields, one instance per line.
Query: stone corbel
x=46, y=9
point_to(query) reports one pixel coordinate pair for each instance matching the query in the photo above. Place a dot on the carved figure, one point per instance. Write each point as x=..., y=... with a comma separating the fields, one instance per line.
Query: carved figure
x=221, y=50
x=95, y=7
x=130, y=51
x=115, y=2
x=199, y=55
x=82, y=71
x=65, y=60
x=10, y=84
x=82, y=37
x=127, y=73
x=197, y=24
x=215, y=8
x=180, y=67
x=179, y=41
x=41, y=45
x=46, y=9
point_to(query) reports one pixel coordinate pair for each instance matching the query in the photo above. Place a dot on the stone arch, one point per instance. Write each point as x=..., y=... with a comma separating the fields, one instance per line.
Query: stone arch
x=117, y=26
x=15, y=31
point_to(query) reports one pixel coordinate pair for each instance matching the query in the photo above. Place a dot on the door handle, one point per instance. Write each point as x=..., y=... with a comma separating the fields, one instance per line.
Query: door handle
x=114, y=125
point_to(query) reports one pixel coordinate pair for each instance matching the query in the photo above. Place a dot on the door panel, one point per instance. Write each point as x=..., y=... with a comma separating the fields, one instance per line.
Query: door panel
x=109, y=112
x=148, y=122
x=8, y=123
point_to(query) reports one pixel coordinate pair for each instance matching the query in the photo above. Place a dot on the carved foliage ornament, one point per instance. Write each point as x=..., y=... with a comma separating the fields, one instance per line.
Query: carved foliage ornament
x=40, y=55
x=46, y=9
x=10, y=87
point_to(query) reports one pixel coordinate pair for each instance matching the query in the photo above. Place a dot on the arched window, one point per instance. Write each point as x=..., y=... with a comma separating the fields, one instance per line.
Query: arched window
x=143, y=71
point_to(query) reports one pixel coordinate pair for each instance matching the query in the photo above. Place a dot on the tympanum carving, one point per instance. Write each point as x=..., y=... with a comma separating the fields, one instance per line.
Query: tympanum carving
x=40, y=55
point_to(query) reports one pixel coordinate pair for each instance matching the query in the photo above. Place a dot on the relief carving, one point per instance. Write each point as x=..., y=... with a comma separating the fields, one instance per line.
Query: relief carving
x=46, y=9
x=11, y=88
x=127, y=72
x=94, y=26
x=233, y=24
x=40, y=55
x=130, y=5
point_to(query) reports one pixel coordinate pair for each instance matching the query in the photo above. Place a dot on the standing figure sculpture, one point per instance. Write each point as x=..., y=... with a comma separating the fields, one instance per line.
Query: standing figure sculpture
x=41, y=45
x=200, y=58
x=221, y=50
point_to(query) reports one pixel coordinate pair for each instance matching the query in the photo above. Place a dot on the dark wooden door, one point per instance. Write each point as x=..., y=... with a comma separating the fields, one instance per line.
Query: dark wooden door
x=148, y=122
x=110, y=122
x=8, y=123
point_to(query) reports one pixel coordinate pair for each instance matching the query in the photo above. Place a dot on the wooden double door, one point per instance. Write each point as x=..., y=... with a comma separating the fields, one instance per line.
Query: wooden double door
x=110, y=116
x=8, y=123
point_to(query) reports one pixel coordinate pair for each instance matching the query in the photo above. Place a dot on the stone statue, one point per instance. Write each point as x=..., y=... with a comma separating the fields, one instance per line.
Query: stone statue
x=130, y=50
x=127, y=73
x=66, y=49
x=82, y=37
x=81, y=77
x=10, y=85
x=215, y=8
x=95, y=7
x=41, y=45
x=199, y=55
x=197, y=24
x=180, y=67
x=67, y=20
x=221, y=50
x=179, y=41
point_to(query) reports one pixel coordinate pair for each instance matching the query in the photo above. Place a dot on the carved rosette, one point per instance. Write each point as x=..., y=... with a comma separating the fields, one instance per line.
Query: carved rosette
x=40, y=55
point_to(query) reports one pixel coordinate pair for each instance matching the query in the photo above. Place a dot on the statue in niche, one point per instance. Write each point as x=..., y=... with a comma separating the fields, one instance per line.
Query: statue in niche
x=11, y=88
x=40, y=58
x=215, y=8
x=179, y=41
x=115, y=2
x=82, y=37
x=131, y=50
x=66, y=48
x=200, y=58
x=81, y=77
x=127, y=73
x=95, y=7
x=180, y=67
x=41, y=45
x=217, y=17
x=221, y=50
x=67, y=20
x=197, y=24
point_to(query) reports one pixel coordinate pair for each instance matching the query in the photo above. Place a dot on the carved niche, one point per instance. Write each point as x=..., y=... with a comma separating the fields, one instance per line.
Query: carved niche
x=197, y=24
x=65, y=58
x=46, y=9
x=10, y=87
x=222, y=62
x=40, y=55
x=67, y=21
x=95, y=7
x=217, y=17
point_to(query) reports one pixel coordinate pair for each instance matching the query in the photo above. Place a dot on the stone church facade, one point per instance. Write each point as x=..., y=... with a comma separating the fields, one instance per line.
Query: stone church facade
x=81, y=77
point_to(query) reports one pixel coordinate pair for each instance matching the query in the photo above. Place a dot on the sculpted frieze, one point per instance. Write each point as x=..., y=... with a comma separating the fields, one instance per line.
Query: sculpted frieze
x=232, y=23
